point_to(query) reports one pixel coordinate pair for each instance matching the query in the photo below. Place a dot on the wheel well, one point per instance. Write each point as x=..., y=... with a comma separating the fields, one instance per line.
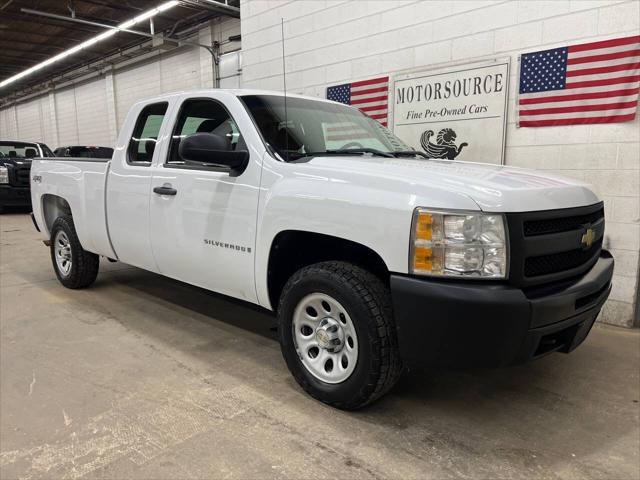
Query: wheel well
x=53, y=207
x=293, y=249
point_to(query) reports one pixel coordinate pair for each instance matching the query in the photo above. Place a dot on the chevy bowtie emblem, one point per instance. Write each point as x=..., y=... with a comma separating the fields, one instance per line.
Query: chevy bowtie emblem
x=588, y=237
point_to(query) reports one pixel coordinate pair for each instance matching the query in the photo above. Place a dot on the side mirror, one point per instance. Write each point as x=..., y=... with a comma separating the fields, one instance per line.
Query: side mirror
x=215, y=150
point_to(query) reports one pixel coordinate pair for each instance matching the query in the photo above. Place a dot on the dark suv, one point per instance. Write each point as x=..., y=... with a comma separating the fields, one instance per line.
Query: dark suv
x=15, y=166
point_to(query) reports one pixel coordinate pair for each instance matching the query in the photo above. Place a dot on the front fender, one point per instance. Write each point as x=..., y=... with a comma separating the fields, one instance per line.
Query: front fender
x=370, y=211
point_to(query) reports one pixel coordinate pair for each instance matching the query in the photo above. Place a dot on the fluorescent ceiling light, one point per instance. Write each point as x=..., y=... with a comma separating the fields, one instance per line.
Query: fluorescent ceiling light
x=92, y=41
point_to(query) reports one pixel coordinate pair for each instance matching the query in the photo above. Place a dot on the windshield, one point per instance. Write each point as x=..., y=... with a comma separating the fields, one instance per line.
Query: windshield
x=317, y=127
x=19, y=150
x=46, y=151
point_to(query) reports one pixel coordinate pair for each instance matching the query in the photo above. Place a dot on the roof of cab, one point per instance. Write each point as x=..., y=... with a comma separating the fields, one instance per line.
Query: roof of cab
x=237, y=92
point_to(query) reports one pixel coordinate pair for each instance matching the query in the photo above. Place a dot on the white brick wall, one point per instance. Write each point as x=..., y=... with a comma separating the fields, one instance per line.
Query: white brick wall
x=328, y=42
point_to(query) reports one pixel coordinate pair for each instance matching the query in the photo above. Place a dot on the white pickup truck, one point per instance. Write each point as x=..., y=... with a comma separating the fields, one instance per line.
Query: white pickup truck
x=374, y=257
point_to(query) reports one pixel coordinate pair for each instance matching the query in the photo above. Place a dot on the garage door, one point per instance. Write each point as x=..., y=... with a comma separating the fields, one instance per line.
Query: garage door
x=230, y=70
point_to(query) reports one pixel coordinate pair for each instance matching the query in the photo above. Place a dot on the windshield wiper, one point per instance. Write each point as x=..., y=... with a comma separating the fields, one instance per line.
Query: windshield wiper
x=409, y=153
x=348, y=151
x=356, y=151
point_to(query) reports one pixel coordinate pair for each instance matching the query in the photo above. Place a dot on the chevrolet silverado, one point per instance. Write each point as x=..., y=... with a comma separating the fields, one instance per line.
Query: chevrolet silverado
x=373, y=257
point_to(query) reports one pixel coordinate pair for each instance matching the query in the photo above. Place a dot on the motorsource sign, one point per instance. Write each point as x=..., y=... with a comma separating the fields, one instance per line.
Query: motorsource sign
x=459, y=112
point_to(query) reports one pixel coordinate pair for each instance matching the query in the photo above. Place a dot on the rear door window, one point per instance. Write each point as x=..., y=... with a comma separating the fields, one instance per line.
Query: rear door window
x=145, y=134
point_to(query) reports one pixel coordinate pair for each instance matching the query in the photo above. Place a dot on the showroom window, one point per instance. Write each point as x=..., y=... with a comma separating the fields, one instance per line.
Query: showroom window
x=145, y=134
x=203, y=116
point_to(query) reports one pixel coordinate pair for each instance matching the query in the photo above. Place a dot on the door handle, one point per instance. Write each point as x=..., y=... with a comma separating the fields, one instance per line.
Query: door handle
x=165, y=190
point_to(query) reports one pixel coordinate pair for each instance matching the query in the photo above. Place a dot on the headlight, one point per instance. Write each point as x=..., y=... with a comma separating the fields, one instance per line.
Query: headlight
x=4, y=175
x=458, y=244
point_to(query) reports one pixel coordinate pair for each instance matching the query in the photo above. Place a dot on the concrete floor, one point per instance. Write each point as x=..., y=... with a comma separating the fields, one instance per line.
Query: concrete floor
x=144, y=377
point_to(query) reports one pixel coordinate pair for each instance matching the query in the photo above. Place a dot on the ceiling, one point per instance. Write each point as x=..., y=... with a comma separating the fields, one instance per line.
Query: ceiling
x=27, y=39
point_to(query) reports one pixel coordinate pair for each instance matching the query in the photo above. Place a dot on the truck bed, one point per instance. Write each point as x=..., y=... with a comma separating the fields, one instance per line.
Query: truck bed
x=82, y=183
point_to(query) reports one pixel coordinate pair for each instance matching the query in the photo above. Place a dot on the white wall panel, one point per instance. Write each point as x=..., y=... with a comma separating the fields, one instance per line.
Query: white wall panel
x=48, y=135
x=66, y=118
x=91, y=112
x=8, y=127
x=29, y=128
x=135, y=83
x=180, y=70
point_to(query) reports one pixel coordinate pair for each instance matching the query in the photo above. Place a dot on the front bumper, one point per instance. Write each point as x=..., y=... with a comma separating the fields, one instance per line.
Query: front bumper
x=458, y=323
x=14, y=196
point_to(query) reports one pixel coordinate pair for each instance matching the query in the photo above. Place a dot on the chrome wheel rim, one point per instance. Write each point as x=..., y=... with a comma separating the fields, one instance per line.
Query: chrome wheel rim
x=325, y=338
x=62, y=252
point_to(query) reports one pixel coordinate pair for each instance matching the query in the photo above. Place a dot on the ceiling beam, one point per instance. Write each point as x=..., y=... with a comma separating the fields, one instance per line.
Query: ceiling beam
x=16, y=31
x=103, y=59
x=127, y=7
x=27, y=23
x=10, y=45
x=29, y=52
x=17, y=64
x=112, y=27
x=220, y=7
x=84, y=22
x=12, y=48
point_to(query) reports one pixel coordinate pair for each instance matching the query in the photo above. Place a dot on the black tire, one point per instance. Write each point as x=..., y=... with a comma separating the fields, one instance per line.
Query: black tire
x=368, y=302
x=84, y=265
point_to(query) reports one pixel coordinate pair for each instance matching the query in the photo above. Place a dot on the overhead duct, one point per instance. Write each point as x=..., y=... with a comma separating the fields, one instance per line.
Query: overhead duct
x=220, y=7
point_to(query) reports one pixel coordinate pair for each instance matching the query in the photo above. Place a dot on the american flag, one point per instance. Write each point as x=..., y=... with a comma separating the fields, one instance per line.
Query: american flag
x=590, y=83
x=370, y=96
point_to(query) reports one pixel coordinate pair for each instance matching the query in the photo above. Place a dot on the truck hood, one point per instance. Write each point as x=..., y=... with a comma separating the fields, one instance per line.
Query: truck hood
x=493, y=188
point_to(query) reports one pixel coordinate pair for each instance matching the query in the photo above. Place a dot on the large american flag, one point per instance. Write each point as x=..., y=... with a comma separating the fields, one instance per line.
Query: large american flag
x=590, y=83
x=370, y=96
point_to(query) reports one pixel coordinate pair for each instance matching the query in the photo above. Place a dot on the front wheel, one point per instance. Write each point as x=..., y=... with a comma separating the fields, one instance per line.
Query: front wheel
x=337, y=334
x=74, y=266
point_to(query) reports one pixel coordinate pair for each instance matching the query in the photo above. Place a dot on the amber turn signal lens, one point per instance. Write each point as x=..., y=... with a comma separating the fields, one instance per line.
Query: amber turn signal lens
x=423, y=226
x=423, y=259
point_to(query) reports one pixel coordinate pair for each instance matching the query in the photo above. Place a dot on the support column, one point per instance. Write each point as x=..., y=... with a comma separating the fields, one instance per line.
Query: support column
x=112, y=117
x=15, y=120
x=53, y=119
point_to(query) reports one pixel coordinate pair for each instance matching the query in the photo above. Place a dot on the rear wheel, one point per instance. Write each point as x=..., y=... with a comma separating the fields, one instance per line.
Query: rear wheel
x=74, y=266
x=337, y=334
